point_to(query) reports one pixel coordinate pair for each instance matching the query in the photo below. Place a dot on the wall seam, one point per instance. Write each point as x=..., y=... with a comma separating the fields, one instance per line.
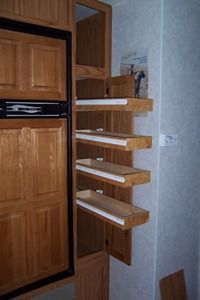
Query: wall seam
x=158, y=165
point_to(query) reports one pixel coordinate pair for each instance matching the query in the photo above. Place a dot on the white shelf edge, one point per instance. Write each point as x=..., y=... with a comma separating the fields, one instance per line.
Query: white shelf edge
x=100, y=173
x=100, y=212
x=103, y=101
x=101, y=139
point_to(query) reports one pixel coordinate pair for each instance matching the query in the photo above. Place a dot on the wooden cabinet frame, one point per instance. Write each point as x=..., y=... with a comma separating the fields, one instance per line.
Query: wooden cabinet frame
x=38, y=30
x=94, y=83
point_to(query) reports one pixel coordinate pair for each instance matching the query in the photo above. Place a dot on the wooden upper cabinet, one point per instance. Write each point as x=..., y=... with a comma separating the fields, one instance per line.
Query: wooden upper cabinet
x=32, y=67
x=91, y=40
x=46, y=68
x=93, y=37
x=51, y=13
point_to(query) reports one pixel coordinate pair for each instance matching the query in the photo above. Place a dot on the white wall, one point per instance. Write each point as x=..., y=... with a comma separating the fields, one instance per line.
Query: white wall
x=179, y=187
x=170, y=30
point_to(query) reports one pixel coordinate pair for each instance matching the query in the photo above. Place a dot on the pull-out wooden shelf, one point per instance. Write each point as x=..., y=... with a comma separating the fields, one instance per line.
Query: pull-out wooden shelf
x=111, y=173
x=84, y=71
x=115, y=104
x=115, y=212
x=111, y=140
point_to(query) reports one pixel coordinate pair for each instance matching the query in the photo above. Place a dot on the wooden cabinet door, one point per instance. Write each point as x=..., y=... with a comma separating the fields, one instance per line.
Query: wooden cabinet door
x=45, y=66
x=48, y=195
x=10, y=75
x=14, y=256
x=33, y=201
x=50, y=239
x=13, y=215
x=50, y=13
x=92, y=279
x=32, y=67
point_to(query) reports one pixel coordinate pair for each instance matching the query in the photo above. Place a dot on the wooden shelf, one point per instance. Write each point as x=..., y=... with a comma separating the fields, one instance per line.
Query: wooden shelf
x=114, y=212
x=83, y=71
x=115, y=104
x=111, y=140
x=111, y=173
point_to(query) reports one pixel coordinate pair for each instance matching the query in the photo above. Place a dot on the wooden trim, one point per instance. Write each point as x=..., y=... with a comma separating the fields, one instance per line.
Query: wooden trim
x=83, y=71
x=95, y=4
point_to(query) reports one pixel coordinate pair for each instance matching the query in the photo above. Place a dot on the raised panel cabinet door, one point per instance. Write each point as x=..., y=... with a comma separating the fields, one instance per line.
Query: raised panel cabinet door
x=45, y=65
x=50, y=13
x=14, y=255
x=32, y=67
x=11, y=165
x=48, y=196
x=15, y=227
x=50, y=239
x=10, y=75
x=33, y=201
x=47, y=161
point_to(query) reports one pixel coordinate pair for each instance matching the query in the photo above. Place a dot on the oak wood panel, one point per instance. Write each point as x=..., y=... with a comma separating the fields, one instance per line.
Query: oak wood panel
x=90, y=88
x=118, y=243
x=90, y=233
x=47, y=193
x=14, y=257
x=46, y=160
x=32, y=67
x=12, y=170
x=50, y=237
x=50, y=13
x=173, y=287
x=9, y=61
x=93, y=277
x=84, y=71
x=33, y=204
x=103, y=52
x=91, y=41
x=122, y=86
